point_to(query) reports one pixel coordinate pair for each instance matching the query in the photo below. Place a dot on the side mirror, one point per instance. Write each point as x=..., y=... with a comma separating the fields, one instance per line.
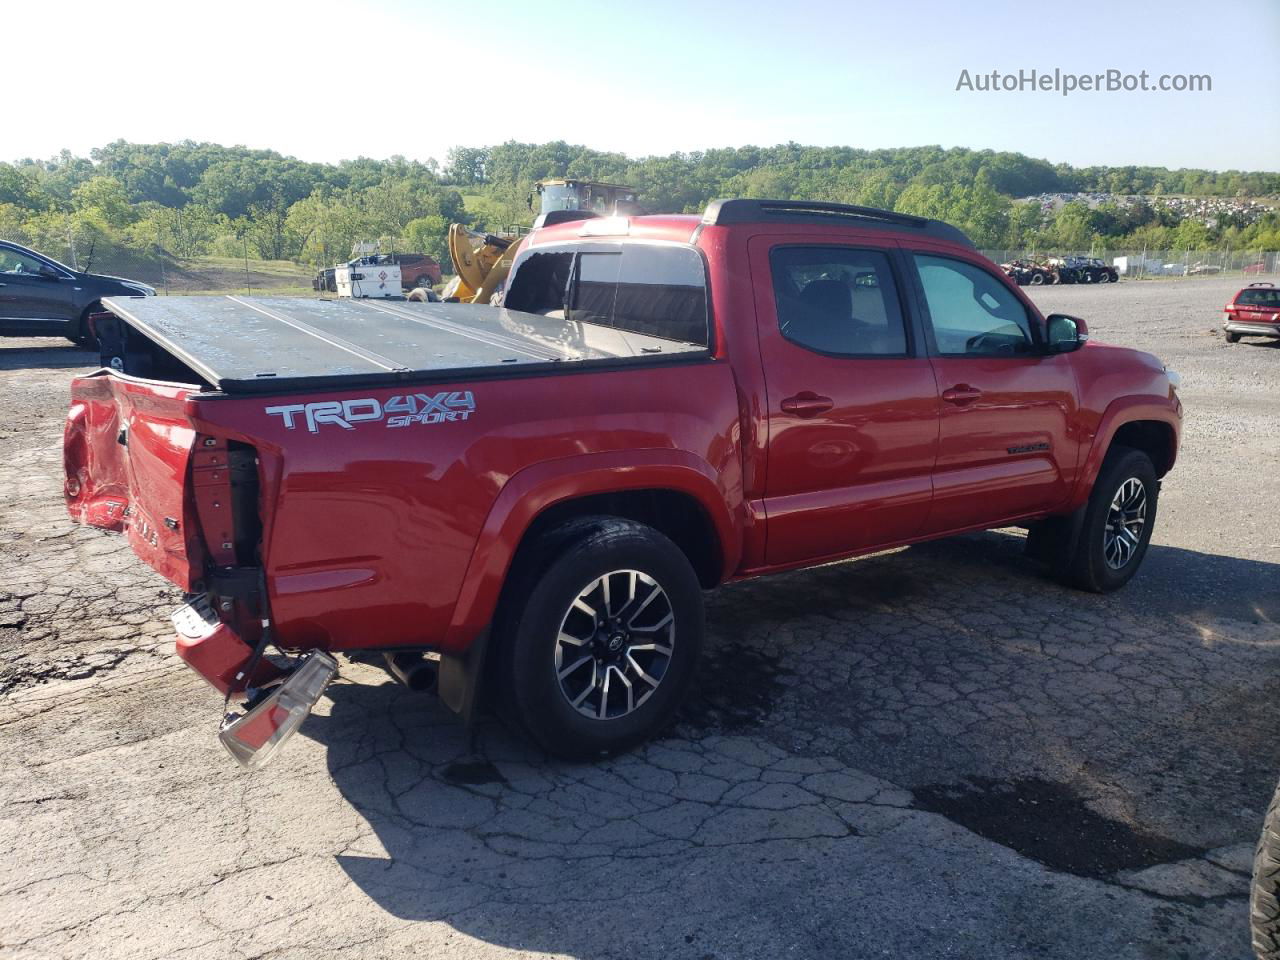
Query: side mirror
x=1065, y=333
x=49, y=273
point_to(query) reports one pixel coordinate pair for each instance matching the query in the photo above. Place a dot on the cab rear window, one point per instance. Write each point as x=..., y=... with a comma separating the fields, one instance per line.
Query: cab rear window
x=656, y=290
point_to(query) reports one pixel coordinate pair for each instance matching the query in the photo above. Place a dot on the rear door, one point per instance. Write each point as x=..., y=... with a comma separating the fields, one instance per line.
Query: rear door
x=852, y=403
x=1005, y=447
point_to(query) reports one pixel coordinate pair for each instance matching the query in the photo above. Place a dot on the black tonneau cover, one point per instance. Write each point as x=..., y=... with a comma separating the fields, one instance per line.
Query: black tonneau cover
x=268, y=344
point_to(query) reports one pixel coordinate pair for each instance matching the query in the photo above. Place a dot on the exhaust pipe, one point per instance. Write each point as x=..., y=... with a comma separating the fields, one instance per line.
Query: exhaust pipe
x=413, y=670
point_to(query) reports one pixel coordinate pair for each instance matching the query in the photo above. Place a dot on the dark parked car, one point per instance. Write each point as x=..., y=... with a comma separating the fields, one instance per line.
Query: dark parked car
x=41, y=297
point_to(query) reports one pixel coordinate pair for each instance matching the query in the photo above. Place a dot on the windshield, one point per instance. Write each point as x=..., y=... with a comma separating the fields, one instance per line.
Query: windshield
x=559, y=196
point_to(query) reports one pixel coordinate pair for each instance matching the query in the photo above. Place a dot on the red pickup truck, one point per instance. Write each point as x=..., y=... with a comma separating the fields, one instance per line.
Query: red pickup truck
x=527, y=501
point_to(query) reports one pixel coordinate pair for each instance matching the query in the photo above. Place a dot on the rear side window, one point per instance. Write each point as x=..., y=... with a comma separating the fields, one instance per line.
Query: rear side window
x=838, y=300
x=973, y=313
x=656, y=290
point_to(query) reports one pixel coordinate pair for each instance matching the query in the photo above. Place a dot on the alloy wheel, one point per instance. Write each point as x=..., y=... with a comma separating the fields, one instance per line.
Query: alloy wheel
x=615, y=644
x=1126, y=518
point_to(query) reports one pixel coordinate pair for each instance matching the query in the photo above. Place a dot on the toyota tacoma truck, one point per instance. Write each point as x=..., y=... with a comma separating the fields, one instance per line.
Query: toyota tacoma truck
x=522, y=505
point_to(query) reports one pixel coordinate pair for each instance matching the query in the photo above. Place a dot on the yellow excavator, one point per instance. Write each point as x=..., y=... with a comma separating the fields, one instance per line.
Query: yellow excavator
x=481, y=261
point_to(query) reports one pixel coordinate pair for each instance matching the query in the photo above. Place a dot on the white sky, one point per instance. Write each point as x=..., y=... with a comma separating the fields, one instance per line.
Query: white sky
x=300, y=77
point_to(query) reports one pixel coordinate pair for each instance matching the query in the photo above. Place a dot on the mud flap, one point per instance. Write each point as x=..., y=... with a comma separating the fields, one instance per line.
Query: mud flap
x=1054, y=539
x=458, y=684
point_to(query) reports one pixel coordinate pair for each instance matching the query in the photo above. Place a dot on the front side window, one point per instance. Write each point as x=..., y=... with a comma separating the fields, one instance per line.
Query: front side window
x=11, y=261
x=838, y=300
x=973, y=313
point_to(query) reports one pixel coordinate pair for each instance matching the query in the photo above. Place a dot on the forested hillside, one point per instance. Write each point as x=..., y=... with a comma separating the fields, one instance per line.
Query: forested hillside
x=146, y=203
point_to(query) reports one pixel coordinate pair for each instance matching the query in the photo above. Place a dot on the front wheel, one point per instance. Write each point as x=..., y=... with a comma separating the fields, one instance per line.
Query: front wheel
x=1231, y=337
x=82, y=334
x=1117, y=523
x=600, y=638
x=1037, y=279
x=1264, y=896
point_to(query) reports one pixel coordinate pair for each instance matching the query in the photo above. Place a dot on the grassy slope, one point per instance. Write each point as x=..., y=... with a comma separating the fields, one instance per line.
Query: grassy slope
x=227, y=275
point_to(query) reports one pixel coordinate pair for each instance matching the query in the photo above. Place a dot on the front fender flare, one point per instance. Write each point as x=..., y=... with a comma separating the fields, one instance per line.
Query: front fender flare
x=1120, y=411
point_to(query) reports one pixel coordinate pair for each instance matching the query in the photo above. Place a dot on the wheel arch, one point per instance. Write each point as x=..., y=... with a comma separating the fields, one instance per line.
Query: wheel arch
x=1156, y=438
x=1145, y=423
x=677, y=493
x=81, y=328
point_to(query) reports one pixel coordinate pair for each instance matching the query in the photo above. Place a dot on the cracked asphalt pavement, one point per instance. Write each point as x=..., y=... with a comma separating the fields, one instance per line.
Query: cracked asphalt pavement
x=934, y=752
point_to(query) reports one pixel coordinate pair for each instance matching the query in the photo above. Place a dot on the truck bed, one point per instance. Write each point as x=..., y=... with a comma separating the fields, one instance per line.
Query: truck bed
x=265, y=345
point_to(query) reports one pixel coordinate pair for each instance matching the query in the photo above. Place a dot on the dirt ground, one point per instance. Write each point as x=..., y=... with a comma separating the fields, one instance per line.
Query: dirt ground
x=936, y=752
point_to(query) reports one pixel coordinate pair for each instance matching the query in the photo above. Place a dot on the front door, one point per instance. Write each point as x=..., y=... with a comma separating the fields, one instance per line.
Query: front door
x=1005, y=447
x=34, y=299
x=852, y=403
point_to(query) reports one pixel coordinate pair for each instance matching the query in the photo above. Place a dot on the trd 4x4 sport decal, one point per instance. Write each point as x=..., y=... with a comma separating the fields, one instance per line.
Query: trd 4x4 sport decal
x=398, y=411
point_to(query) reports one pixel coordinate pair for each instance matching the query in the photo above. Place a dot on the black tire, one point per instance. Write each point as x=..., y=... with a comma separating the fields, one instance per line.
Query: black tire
x=1264, y=895
x=1113, y=277
x=423, y=281
x=1088, y=568
x=81, y=335
x=539, y=602
x=1037, y=279
x=1230, y=337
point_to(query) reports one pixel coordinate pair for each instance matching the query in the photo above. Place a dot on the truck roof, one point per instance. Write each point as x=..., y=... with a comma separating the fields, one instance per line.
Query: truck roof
x=265, y=345
x=733, y=213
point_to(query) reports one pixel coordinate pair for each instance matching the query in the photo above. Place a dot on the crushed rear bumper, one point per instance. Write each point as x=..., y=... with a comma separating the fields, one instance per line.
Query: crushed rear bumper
x=215, y=651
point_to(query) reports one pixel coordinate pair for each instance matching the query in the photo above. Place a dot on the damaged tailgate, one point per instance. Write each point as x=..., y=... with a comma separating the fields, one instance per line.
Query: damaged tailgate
x=127, y=451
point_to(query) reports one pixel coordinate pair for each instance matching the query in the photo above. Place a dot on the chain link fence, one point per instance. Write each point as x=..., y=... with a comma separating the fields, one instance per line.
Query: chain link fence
x=1144, y=264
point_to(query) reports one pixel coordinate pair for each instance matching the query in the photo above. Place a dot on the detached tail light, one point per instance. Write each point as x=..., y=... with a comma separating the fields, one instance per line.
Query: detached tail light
x=255, y=737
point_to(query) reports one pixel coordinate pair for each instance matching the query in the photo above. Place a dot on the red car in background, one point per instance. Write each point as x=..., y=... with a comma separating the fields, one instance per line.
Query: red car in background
x=1253, y=312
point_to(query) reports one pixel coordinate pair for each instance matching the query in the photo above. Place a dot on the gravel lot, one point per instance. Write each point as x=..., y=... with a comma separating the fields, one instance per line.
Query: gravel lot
x=936, y=752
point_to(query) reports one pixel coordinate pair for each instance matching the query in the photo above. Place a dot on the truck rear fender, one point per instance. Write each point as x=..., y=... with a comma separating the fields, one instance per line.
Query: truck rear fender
x=533, y=491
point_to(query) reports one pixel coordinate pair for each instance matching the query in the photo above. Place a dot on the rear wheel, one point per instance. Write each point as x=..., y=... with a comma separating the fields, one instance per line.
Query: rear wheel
x=1117, y=525
x=1037, y=279
x=1231, y=337
x=601, y=634
x=1264, y=898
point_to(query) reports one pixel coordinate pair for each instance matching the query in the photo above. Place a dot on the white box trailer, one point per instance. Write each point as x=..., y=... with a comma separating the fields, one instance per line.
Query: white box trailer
x=373, y=280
